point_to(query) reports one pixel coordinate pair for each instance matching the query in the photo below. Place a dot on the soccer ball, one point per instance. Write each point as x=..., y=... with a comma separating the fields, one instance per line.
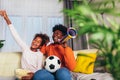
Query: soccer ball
x=52, y=63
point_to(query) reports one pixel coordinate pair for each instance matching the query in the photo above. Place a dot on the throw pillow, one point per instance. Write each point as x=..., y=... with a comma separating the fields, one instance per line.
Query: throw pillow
x=85, y=61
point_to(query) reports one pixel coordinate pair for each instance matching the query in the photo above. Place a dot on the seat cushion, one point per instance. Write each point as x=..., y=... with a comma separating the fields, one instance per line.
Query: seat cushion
x=96, y=76
x=7, y=78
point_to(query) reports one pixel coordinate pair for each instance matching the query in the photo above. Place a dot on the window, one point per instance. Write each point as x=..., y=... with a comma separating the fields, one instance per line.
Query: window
x=29, y=17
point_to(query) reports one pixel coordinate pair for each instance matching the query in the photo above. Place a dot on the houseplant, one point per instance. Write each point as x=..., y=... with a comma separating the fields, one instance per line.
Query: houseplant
x=98, y=19
x=1, y=43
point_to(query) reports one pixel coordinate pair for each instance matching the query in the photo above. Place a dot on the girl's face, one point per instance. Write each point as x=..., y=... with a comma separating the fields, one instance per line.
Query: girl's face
x=57, y=36
x=36, y=43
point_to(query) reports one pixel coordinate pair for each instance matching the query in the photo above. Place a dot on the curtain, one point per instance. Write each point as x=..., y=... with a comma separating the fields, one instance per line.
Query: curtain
x=80, y=42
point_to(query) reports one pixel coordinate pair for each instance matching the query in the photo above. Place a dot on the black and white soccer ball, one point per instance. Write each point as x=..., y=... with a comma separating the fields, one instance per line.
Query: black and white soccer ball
x=52, y=63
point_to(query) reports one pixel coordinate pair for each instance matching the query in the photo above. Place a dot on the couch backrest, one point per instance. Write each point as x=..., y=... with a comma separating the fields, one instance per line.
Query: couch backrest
x=9, y=61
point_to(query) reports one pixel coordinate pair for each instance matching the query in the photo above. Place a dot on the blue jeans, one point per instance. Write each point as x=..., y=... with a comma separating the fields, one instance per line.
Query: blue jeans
x=60, y=74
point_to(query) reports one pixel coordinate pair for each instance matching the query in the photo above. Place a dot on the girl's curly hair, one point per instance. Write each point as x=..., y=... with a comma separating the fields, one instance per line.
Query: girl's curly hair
x=44, y=38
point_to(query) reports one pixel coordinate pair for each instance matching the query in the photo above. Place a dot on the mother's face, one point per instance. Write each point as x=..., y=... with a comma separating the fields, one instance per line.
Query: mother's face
x=57, y=36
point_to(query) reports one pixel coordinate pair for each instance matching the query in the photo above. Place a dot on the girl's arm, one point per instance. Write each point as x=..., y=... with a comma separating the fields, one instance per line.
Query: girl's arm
x=3, y=13
x=12, y=29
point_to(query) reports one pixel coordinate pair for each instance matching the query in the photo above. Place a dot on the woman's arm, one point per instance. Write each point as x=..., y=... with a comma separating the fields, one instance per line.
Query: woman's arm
x=69, y=58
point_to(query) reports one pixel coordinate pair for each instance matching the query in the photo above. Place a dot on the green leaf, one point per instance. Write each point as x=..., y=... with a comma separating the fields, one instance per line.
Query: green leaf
x=1, y=43
x=94, y=18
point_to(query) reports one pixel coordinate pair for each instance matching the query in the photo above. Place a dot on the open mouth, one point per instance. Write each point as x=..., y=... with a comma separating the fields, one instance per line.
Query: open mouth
x=57, y=39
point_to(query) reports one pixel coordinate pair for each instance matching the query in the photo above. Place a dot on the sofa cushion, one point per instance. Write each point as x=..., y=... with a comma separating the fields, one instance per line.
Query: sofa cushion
x=93, y=76
x=7, y=78
x=85, y=61
x=9, y=62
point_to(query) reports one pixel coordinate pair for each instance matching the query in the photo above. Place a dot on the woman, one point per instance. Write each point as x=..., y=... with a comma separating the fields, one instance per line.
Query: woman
x=60, y=50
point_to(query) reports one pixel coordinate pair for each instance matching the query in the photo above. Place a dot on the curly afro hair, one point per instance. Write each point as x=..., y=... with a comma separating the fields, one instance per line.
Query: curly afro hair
x=60, y=27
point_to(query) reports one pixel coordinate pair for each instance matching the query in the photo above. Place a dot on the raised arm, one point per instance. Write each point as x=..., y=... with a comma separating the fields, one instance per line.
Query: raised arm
x=5, y=16
x=12, y=29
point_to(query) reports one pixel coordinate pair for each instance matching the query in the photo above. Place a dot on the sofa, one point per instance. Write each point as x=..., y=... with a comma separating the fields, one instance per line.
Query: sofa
x=10, y=61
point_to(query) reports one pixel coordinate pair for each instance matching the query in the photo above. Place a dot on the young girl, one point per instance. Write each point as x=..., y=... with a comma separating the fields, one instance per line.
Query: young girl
x=31, y=57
